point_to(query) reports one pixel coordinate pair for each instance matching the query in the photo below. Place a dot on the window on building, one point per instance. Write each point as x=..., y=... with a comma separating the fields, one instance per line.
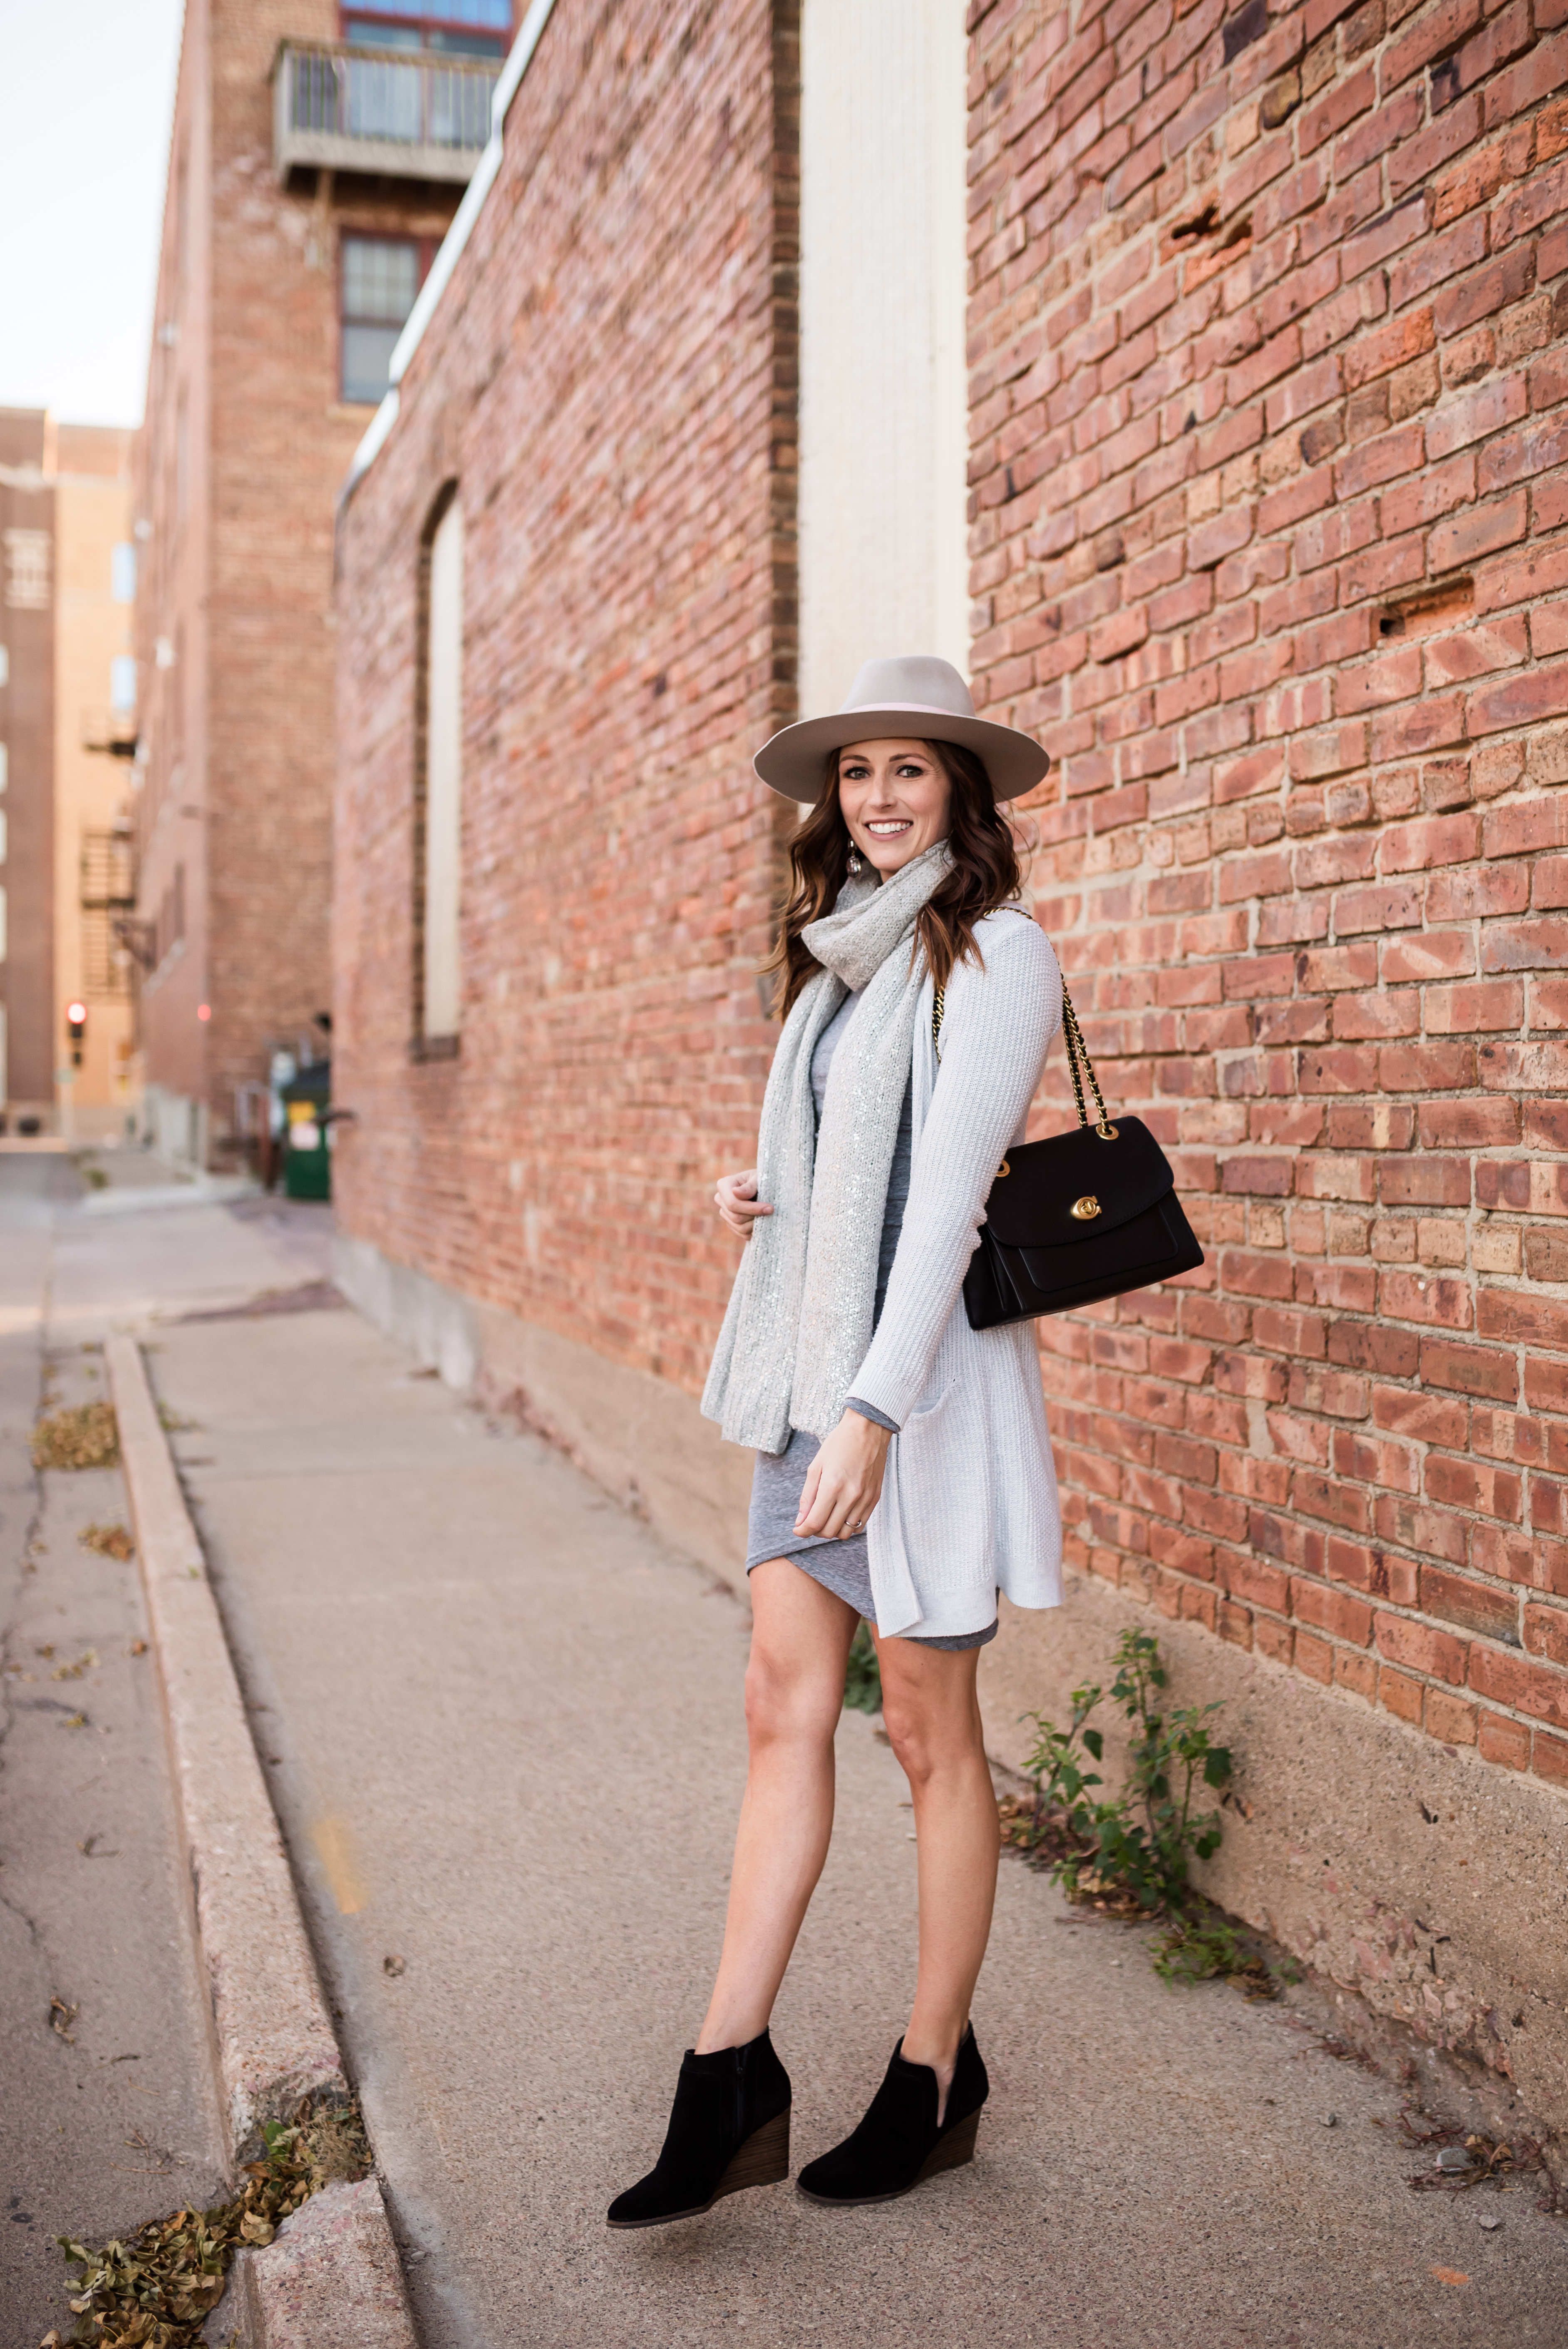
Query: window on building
x=171, y=923
x=27, y=570
x=122, y=681
x=468, y=29
x=122, y=573
x=439, y=816
x=380, y=279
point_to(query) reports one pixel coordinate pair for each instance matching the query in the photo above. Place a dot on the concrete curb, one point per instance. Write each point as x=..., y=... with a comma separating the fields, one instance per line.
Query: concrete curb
x=336, y=2278
x=131, y=1200
x=330, y=2280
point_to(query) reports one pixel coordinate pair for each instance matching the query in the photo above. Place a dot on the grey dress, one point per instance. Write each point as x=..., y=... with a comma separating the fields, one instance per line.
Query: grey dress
x=841, y=1565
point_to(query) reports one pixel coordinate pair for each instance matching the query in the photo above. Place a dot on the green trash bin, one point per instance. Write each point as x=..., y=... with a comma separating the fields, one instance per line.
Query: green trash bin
x=307, y=1154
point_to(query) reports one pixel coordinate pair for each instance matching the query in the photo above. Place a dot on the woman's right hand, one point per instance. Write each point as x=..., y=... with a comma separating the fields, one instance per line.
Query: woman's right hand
x=737, y=1203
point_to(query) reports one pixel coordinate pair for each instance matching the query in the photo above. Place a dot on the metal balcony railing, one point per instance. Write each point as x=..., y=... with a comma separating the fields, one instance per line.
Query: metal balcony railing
x=107, y=899
x=348, y=108
x=113, y=730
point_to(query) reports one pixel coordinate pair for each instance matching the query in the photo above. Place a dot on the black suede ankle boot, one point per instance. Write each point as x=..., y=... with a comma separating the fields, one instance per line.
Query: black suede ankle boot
x=729, y=2129
x=898, y=2143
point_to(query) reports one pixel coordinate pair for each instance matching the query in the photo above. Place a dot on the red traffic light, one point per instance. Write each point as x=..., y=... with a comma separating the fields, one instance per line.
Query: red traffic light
x=76, y=1015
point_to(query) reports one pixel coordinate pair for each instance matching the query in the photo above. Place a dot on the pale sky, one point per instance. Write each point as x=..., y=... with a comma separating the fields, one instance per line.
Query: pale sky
x=86, y=90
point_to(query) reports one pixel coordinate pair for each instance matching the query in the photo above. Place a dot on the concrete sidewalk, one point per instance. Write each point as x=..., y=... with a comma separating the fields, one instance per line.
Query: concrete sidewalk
x=504, y=1735
x=116, y=2123
x=109, y=2120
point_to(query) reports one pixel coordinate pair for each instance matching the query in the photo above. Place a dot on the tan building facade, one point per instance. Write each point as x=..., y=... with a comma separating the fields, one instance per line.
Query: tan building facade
x=317, y=157
x=95, y=739
x=67, y=725
x=27, y=772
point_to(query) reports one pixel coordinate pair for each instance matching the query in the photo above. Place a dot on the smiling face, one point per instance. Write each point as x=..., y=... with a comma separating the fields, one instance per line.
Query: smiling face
x=895, y=797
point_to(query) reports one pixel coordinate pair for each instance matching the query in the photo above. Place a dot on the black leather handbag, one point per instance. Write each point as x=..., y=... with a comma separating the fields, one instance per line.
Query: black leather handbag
x=1078, y=1217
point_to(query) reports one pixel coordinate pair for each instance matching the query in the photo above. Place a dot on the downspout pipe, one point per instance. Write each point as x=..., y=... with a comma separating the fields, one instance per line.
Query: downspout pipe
x=519, y=59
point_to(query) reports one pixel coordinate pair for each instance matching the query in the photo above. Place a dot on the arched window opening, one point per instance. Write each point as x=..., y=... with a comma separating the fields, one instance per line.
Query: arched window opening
x=438, y=784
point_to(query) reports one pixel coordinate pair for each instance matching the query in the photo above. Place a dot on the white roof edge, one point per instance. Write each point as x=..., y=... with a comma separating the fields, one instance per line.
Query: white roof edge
x=369, y=448
x=519, y=59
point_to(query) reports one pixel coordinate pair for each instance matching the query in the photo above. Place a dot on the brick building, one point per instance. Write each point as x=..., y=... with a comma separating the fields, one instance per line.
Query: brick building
x=68, y=693
x=1266, y=491
x=95, y=737
x=318, y=155
x=27, y=771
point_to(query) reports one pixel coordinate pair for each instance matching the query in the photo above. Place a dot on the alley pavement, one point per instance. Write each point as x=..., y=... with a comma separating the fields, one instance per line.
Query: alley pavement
x=106, y=2111
x=503, y=1731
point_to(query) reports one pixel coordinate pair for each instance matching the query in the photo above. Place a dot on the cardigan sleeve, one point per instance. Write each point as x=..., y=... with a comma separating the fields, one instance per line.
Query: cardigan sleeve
x=997, y=1024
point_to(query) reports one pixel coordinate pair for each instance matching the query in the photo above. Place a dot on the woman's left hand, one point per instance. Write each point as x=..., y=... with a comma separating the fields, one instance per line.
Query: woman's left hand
x=844, y=1481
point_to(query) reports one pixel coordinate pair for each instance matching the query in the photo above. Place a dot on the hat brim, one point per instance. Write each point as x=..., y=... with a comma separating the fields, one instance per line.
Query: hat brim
x=792, y=761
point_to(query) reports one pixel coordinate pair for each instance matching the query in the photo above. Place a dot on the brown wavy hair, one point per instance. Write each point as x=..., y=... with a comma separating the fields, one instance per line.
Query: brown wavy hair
x=985, y=873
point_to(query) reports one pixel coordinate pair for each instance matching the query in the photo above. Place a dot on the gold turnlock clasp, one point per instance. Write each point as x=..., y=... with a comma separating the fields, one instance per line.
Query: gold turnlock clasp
x=1003, y=1169
x=1087, y=1208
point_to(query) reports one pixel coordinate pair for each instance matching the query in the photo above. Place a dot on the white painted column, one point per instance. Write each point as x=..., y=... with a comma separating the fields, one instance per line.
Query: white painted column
x=884, y=410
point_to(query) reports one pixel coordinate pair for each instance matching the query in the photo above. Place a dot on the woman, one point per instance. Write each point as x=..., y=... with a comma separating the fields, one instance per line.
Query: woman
x=904, y=1471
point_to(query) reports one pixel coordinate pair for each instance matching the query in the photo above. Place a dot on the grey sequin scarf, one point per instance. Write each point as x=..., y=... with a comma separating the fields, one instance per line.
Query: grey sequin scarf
x=801, y=1312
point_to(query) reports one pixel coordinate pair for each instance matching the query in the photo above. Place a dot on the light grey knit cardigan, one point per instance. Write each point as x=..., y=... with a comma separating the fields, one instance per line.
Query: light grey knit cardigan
x=969, y=1499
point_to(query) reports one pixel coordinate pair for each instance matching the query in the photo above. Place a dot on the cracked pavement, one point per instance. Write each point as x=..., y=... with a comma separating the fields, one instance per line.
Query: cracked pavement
x=119, y=2122
x=502, y=1730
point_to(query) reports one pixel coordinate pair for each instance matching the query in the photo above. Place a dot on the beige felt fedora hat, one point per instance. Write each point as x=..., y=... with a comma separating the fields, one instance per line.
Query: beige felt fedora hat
x=915, y=695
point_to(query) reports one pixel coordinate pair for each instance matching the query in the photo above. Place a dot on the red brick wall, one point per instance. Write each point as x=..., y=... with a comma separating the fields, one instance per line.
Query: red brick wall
x=244, y=585
x=610, y=379
x=1269, y=415
x=173, y=553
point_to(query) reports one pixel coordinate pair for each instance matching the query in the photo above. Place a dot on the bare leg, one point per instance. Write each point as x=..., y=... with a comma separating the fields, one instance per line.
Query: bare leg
x=932, y=1716
x=800, y=1637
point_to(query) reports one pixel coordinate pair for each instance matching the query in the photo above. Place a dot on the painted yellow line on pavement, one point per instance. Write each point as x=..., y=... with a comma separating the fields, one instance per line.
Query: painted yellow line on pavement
x=330, y=1839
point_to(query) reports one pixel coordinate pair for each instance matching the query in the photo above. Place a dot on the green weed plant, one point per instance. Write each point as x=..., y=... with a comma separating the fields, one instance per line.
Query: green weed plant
x=862, y=1675
x=1131, y=1854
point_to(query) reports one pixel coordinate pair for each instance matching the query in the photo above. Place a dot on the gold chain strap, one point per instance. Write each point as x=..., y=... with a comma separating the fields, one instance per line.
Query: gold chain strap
x=1077, y=1050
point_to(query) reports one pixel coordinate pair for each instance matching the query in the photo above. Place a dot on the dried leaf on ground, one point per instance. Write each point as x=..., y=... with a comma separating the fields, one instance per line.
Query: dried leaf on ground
x=61, y=2017
x=86, y=1436
x=1493, y=2160
x=156, y=2289
x=110, y=1541
x=84, y=1663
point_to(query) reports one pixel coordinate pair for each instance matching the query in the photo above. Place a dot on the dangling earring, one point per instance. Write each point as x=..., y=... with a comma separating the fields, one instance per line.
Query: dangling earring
x=856, y=867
